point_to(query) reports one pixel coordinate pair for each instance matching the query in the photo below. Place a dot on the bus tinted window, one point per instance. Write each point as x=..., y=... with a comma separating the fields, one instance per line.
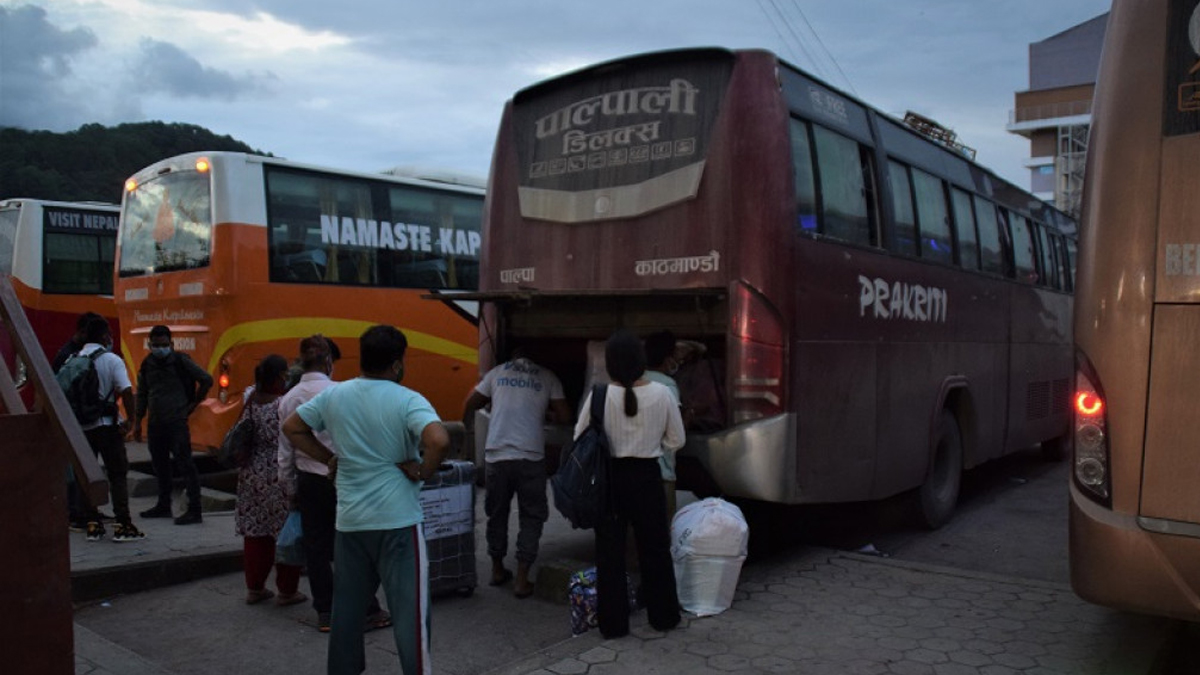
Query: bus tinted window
x=803, y=180
x=8, y=229
x=1064, y=263
x=991, y=245
x=904, y=235
x=844, y=171
x=167, y=225
x=1046, y=262
x=1024, y=255
x=933, y=218
x=964, y=228
x=78, y=263
x=337, y=230
x=454, y=261
x=1072, y=251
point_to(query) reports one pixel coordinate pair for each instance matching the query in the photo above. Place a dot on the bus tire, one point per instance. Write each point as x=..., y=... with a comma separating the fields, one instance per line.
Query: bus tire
x=938, y=495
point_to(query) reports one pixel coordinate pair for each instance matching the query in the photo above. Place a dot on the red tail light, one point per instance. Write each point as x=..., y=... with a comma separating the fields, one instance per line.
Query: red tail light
x=1091, y=453
x=223, y=382
x=757, y=353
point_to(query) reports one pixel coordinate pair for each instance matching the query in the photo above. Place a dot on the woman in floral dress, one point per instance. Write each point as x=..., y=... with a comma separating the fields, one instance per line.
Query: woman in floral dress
x=262, y=506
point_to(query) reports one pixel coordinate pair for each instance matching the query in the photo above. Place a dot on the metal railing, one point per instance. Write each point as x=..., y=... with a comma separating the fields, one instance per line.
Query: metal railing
x=36, y=448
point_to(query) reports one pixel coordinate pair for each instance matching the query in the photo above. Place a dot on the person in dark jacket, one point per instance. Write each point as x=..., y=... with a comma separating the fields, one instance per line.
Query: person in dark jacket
x=169, y=387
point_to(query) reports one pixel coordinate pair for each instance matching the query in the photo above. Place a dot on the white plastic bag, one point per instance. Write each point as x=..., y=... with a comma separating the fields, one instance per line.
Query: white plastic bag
x=708, y=544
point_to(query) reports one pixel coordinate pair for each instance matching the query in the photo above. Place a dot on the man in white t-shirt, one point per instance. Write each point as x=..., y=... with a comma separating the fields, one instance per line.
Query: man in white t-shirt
x=520, y=392
x=106, y=435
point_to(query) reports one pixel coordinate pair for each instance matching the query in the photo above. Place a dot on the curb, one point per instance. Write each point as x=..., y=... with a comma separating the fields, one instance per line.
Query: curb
x=98, y=584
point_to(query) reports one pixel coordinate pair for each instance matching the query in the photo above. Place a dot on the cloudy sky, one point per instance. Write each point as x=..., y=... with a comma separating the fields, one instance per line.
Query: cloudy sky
x=372, y=84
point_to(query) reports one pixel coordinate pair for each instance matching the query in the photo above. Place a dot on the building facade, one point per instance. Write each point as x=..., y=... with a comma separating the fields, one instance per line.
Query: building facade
x=1055, y=112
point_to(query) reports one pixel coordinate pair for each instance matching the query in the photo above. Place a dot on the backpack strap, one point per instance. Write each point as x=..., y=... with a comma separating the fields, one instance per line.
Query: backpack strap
x=599, y=396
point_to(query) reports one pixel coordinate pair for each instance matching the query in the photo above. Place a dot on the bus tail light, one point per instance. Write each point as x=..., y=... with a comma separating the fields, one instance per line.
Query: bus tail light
x=1091, y=457
x=757, y=354
x=223, y=382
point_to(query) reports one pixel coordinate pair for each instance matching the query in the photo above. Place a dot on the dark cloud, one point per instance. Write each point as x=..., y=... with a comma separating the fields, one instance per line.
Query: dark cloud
x=36, y=68
x=163, y=68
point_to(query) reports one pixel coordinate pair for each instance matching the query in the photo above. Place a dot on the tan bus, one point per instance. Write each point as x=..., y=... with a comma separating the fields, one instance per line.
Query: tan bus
x=1135, y=488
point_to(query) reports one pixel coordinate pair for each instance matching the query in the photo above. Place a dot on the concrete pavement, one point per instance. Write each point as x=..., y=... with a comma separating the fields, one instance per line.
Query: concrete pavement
x=808, y=611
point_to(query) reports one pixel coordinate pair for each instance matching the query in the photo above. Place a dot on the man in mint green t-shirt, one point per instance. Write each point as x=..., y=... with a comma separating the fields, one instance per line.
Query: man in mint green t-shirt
x=380, y=429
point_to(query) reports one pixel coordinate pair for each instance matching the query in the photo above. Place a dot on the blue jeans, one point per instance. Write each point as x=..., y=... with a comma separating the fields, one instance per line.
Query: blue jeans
x=396, y=560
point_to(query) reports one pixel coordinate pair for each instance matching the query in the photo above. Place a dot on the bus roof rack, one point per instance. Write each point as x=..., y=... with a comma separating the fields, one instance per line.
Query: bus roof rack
x=937, y=133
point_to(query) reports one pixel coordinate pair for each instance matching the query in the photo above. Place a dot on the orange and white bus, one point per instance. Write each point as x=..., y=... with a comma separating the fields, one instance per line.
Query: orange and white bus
x=878, y=311
x=242, y=256
x=1135, y=488
x=59, y=257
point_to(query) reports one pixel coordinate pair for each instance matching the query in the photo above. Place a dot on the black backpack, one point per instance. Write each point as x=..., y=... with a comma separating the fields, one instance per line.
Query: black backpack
x=580, y=485
x=81, y=384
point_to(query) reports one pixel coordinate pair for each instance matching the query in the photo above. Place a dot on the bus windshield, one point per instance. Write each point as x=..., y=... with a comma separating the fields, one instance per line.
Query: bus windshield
x=167, y=225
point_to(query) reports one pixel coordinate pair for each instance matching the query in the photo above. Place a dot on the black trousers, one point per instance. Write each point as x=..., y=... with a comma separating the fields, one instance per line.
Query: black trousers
x=109, y=444
x=637, y=500
x=316, y=499
x=170, y=441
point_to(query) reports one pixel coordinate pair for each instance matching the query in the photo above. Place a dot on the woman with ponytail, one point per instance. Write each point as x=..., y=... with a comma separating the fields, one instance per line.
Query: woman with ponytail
x=642, y=422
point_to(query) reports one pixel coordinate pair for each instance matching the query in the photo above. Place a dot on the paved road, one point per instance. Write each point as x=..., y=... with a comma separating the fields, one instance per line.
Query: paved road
x=807, y=609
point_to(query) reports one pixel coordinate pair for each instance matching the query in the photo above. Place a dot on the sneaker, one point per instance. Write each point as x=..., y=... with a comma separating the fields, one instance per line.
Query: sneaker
x=127, y=532
x=77, y=526
x=324, y=622
x=95, y=531
x=157, y=512
x=189, y=518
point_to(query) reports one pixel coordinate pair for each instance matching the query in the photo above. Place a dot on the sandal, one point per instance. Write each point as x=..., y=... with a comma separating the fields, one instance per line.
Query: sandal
x=290, y=599
x=254, y=597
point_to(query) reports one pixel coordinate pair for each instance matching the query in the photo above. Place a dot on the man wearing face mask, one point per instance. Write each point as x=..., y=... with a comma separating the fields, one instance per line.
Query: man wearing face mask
x=660, y=366
x=388, y=439
x=170, y=386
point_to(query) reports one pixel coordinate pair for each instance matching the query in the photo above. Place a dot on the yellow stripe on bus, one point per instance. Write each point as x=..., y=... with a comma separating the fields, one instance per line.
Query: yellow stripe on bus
x=302, y=327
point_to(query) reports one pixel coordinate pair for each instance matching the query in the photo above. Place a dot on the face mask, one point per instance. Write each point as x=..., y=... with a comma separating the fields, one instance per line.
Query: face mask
x=160, y=351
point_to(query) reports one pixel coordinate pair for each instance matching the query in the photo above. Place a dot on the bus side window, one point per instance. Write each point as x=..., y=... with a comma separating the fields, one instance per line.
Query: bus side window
x=933, y=219
x=964, y=228
x=1049, y=269
x=991, y=249
x=903, y=237
x=1064, y=263
x=847, y=192
x=1072, y=250
x=803, y=179
x=1024, y=254
x=8, y=232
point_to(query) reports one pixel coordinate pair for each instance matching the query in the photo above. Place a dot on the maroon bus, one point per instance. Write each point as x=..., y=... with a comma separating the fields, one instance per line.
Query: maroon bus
x=877, y=312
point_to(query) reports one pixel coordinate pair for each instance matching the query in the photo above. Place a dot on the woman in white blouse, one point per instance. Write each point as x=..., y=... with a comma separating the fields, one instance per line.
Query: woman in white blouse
x=642, y=422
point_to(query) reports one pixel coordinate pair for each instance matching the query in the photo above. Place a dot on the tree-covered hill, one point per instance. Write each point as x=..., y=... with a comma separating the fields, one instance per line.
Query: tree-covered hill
x=92, y=162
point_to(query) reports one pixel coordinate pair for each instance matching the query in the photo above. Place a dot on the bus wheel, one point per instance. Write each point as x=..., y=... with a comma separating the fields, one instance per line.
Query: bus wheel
x=938, y=495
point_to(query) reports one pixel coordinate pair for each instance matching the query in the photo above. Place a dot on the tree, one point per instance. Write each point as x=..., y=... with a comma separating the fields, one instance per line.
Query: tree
x=92, y=162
